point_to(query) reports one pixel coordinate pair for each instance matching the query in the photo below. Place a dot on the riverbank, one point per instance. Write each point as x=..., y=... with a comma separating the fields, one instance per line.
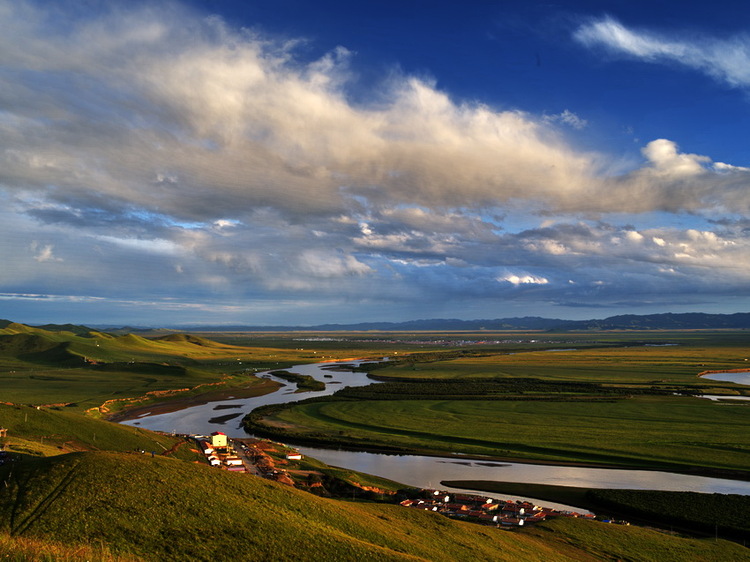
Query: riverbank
x=722, y=371
x=177, y=403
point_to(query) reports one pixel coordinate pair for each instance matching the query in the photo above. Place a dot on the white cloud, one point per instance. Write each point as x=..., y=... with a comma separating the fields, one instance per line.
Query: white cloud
x=665, y=160
x=324, y=264
x=44, y=252
x=523, y=279
x=725, y=59
x=148, y=245
x=161, y=152
x=569, y=118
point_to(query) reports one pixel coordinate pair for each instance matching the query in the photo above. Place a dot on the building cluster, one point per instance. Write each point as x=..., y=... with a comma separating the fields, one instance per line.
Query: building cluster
x=220, y=453
x=236, y=456
x=487, y=511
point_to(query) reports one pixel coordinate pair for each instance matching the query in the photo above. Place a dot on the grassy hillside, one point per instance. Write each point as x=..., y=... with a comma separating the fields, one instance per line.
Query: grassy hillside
x=53, y=431
x=60, y=367
x=158, y=508
x=21, y=549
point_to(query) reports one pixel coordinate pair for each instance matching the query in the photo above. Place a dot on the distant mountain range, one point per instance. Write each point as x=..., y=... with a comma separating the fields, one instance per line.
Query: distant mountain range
x=667, y=321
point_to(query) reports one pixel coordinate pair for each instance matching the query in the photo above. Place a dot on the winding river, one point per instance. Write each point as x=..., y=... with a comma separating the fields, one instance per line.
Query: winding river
x=415, y=470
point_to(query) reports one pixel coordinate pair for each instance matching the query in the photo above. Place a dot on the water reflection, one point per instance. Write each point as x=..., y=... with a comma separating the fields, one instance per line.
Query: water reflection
x=427, y=472
x=739, y=378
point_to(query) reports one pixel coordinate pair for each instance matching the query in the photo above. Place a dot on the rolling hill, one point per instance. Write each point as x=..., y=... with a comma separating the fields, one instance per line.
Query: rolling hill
x=39, y=366
x=160, y=508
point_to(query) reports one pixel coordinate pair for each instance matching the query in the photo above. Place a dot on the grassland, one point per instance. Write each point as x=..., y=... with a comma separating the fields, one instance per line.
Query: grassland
x=303, y=382
x=97, y=504
x=20, y=549
x=677, y=433
x=631, y=359
x=640, y=424
x=163, y=512
x=42, y=367
x=36, y=431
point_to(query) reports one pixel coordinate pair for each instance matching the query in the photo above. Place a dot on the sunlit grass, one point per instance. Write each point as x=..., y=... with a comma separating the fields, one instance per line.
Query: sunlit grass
x=643, y=431
x=162, y=509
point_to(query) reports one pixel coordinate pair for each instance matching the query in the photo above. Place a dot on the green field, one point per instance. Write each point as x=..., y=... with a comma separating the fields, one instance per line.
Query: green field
x=159, y=508
x=620, y=364
x=665, y=432
x=627, y=417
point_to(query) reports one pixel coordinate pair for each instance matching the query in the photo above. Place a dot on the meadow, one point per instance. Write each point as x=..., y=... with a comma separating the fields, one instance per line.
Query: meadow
x=627, y=416
x=629, y=359
x=34, y=432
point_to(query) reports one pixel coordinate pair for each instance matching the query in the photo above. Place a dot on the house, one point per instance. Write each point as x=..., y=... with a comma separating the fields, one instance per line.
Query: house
x=233, y=461
x=205, y=447
x=219, y=440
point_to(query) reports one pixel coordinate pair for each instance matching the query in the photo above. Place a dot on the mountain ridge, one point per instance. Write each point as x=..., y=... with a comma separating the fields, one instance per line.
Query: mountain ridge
x=662, y=321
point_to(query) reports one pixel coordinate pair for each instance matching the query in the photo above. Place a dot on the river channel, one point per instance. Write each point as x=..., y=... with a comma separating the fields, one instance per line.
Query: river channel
x=415, y=470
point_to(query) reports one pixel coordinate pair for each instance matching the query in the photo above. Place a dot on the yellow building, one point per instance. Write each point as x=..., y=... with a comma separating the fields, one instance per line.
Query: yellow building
x=218, y=439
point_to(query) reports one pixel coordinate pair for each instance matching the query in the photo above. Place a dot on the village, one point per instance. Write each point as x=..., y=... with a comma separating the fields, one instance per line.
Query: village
x=236, y=455
x=487, y=511
x=252, y=456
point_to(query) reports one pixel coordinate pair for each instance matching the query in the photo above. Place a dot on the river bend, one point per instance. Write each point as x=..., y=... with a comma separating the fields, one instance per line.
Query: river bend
x=415, y=470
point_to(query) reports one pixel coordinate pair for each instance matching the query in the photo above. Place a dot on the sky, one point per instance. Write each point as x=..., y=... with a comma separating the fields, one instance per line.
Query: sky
x=299, y=163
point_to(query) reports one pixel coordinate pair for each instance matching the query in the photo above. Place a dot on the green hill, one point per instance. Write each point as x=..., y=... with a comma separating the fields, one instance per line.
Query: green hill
x=52, y=431
x=188, y=338
x=34, y=345
x=38, y=366
x=70, y=328
x=25, y=343
x=159, y=508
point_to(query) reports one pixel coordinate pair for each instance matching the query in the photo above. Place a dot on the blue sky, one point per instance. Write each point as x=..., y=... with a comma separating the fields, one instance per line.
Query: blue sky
x=290, y=162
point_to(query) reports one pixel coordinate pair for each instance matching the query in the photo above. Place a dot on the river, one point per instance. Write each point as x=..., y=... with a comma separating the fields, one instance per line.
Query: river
x=415, y=470
x=741, y=377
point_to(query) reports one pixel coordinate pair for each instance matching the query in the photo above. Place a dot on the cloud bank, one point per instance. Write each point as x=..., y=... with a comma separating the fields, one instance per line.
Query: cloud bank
x=155, y=154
